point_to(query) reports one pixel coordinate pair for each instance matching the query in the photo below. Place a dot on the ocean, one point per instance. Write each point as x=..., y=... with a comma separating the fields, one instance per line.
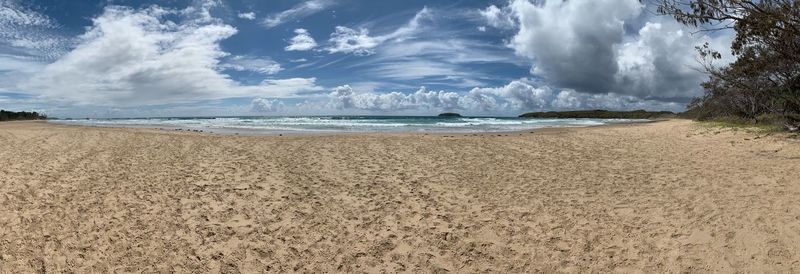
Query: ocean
x=333, y=124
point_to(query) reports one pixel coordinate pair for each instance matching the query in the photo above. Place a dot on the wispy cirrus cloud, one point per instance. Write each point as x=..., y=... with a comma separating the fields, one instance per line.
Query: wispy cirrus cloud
x=428, y=50
x=454, y=61
x=251, y=63
x=360, y=42
x=299, y=11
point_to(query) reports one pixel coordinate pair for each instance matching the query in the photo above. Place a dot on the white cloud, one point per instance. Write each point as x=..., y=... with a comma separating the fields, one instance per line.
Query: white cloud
x=521, y=95
x=517, y=96
x=26, y=32
x=661, y=62
x=11, y=14
x=347, y=40
x=13, y=68
x=450, y=50
x=344, y=97
x=455, y=62
x=248, y=15
x=200, y=11
x=572, y=42
x=290, y=87
x=359, y=42
x=571, y=99
x=415, y=69
x=249, y=63
x=298, y=11
x=497, y=17
x=302, y=41
x=583, y=45
x=524, y=96
x=136, y=57
x=262, y=105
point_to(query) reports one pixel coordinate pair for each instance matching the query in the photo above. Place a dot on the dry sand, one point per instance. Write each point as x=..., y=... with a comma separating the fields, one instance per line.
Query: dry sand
x=662, y=197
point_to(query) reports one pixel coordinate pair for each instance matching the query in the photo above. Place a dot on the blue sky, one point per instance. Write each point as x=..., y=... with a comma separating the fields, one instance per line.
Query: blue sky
x=120, y=58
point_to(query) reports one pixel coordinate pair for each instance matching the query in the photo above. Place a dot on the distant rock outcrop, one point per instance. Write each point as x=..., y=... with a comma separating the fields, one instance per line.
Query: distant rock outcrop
x=450, y=114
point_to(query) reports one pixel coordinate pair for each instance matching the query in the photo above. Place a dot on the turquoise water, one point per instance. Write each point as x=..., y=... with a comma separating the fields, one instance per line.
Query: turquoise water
x=347, y=123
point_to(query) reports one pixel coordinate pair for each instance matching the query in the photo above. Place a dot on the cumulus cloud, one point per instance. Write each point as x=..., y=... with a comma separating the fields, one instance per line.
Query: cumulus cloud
x=248, y=15
x=359, y=42
x=264, y=105
x=583, y=45
x=573, y=42
x=137, y=57
x=660, y=63
x=517, y=96
x=302, y=41
x=521, y=95
x=200, y=11
x=571, y=99
x=255, y=64
x=497, y=17
x=298, y=11
x=525, y=96
x=344, y=97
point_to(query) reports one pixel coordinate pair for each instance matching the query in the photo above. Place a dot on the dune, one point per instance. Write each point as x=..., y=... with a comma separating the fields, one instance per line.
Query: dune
x=667, y=196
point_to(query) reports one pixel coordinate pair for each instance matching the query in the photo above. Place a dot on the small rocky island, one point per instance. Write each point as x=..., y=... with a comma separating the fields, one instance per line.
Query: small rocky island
x=450, y=114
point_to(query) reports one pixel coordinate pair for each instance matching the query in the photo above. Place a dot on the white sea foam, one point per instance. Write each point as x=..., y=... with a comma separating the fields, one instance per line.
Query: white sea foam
x=349, y=123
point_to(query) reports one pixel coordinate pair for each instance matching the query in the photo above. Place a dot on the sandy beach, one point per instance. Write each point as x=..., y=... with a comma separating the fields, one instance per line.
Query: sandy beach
x=668, y=196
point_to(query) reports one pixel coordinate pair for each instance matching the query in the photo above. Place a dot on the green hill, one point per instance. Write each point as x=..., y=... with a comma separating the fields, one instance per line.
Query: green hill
x=600, y=114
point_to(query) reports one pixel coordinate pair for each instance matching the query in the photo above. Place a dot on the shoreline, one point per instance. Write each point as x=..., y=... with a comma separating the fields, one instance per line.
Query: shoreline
x=258, y=132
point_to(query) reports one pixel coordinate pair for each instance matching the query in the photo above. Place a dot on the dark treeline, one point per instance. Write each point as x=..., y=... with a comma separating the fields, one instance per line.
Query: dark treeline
x=22, y=115
x=600, y=114
x=763, y=84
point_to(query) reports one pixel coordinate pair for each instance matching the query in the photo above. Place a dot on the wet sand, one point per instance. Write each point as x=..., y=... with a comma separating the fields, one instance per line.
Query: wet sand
x=658, y=197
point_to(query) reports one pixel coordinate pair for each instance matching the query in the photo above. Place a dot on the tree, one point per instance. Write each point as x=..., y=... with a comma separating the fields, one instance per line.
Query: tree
x=765, y=78
x=23, y=115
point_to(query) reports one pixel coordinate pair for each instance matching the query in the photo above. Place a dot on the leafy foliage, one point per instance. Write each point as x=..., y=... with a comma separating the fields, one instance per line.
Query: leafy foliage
x=765, y=79
x=22, y=115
